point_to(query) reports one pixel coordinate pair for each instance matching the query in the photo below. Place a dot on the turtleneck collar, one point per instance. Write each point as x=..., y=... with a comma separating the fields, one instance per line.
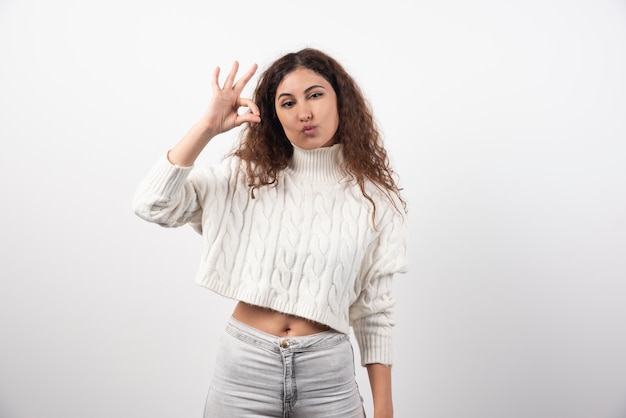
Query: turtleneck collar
x=321, y=164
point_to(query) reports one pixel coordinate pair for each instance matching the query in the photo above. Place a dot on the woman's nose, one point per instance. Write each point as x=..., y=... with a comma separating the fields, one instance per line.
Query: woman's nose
x=305, y=114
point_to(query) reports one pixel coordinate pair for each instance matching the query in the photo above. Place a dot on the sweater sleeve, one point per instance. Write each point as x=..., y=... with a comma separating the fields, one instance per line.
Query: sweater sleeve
x=371, y=315
x=167, y=198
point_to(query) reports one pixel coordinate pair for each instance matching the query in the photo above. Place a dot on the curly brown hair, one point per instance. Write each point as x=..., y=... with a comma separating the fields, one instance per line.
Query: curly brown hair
x=266, y=151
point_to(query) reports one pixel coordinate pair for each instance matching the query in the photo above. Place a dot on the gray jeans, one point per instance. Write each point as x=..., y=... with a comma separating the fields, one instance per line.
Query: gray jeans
x=262, y=375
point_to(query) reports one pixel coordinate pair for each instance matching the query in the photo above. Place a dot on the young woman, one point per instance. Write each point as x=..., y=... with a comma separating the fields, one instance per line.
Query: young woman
x=304, y=225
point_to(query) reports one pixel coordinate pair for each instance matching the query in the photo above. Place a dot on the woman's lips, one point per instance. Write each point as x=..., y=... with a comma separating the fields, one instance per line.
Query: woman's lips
x=308, y=130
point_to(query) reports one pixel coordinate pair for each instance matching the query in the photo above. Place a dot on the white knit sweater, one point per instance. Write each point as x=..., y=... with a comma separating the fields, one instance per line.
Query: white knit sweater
x=306, y=247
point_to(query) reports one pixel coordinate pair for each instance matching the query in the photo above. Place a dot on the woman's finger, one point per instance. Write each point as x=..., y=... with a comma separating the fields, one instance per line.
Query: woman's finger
x=241, y=83
x=230, y=79
x=215, y=81
x=247, y=117
x=245, y=102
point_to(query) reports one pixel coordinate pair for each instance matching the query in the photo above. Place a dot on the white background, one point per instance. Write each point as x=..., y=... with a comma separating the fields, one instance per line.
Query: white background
x=505, y=121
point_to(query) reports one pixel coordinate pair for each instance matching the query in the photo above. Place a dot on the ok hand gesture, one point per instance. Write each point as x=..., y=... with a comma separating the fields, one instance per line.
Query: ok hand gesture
x=223, y=112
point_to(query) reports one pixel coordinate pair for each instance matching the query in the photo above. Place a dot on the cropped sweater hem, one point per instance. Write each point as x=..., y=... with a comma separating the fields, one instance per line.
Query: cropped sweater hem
x=314, y=313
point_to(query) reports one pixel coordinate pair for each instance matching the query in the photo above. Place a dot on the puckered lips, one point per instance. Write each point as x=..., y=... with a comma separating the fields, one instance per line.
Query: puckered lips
x=308, y=130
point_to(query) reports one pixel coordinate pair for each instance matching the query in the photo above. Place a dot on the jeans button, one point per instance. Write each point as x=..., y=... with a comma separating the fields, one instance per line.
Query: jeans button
x=284, y=343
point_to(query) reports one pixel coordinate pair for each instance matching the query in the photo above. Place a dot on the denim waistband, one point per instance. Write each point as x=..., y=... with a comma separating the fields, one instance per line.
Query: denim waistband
x=313, y=342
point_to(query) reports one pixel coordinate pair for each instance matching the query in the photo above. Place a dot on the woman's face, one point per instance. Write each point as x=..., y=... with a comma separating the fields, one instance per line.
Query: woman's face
x=306, y=106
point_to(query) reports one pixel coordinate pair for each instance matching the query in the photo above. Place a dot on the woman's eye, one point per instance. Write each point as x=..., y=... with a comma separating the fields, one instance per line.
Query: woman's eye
x=318, y=94
x=286, y=104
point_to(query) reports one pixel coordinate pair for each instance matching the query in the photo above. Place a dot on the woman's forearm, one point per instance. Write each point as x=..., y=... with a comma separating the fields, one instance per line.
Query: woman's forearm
x=187, y=150
x=380, y=382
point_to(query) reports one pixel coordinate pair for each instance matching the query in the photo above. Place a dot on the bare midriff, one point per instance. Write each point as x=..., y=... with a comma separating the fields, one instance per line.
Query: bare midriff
x=274, y=322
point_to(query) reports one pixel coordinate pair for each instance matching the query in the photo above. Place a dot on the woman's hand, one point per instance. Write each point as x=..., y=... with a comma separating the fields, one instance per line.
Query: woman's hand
x=223, y=113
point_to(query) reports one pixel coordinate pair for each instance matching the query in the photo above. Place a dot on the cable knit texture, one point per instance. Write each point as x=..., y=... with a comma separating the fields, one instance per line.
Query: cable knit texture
x=307, y=247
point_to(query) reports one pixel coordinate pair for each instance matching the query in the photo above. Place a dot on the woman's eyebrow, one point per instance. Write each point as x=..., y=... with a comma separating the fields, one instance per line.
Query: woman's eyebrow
x=308, y=89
